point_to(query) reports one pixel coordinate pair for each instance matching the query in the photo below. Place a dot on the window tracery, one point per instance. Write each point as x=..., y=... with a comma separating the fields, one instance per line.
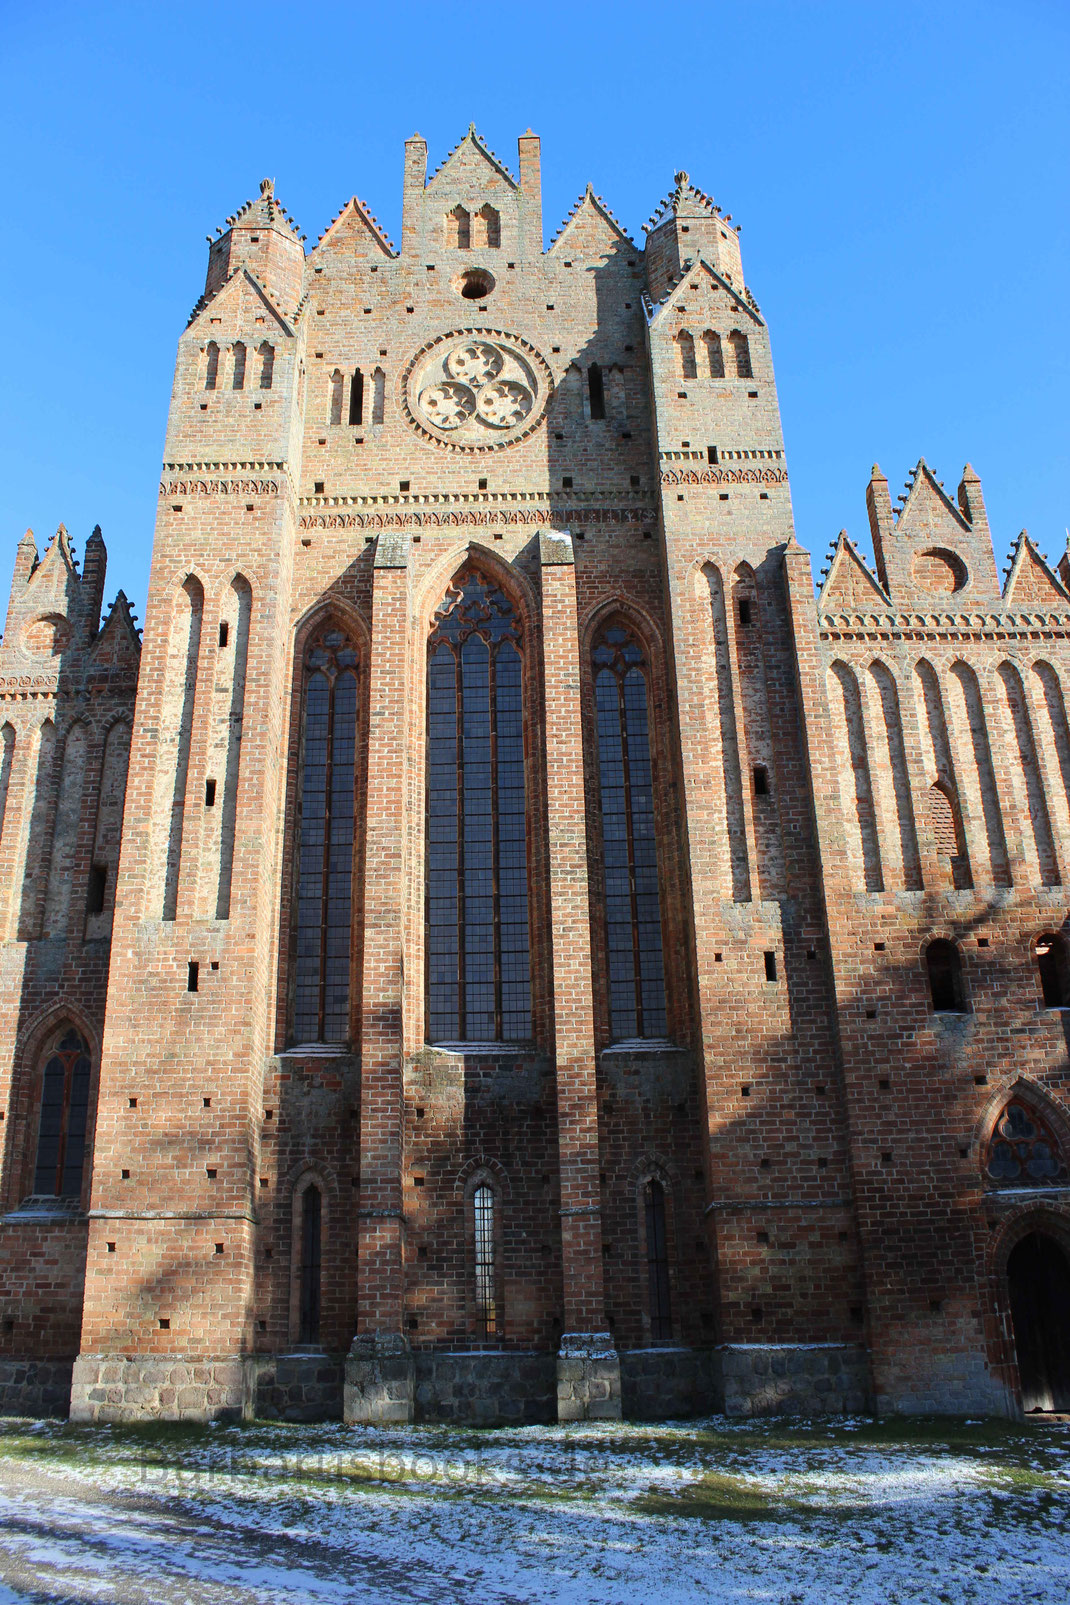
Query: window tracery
x=1023, y=1151
x=478, y=982
x=64, y=1116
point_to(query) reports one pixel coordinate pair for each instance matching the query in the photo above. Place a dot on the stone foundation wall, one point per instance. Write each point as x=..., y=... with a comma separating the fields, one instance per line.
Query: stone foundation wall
x=789, y=1379
x=298, y=1387
x=169, y=1387
x=660, y=1384
x=35, y=1387
x=485, y=1389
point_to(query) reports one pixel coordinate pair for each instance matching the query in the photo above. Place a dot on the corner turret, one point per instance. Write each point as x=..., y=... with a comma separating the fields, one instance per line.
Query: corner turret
x=688, y=226
x=264, y=238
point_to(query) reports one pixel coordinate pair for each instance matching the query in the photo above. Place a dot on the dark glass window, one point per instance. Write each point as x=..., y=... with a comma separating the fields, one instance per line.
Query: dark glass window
x=325, y=853
x=945, y=978
x=486, y=1298
x=633, y=912
x=478, y=987
x=64, y=1115
x=311, y=1252
x=356, y=397
x=657, y=1260
x=1023, y=1151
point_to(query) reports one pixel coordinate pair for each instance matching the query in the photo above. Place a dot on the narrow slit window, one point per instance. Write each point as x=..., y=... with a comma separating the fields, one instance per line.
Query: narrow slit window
x=714, y=354
x=685, y=350
x=193, y=976
x=237, y=381
x=337, y=383
x=741, y=350
x=325, y=853
x=478, y=982
x=311, y=1263
x=211, y=372
x=64, y=1114
x=98, y=886
x=487, y=1313
x=267, y=365
x=761, y=780
x=633, y=911
x=596, y=390
x=224, y=632
x=657, y=1261
x=769, y=958
x=1053, y=962
x=356, y=397
x=944, y=966
x=209, y=794
x=745, y=612
x=378, y=395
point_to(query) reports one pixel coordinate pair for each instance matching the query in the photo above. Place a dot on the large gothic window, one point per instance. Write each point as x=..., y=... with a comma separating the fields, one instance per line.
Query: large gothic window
x=1023, y=1151
x=633, y=914
x=61, y=1135
x=478, y=986
x=325, y=854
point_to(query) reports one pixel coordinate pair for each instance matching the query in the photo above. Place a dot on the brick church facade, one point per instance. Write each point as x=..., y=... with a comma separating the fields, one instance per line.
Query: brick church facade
x=498, y=948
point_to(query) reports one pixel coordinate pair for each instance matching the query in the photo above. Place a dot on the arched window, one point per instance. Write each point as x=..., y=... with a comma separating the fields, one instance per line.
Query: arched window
x=308, y=1328
x=945, y=978
x=741, y=351
x=356, y=397
x=1053, y=962
x=945, y=833
x=596, y=391
x=378, y=395
x=211, y=372
x=486, y=228
x=488, y=1317
x=325, y=856
x=685, y=347
x=714, y=354
x=633, y=913
x=238, y=377
x=336, y=396
x=657, y=1260
x=1023, y=1151
x=458, y=229
x=61, y=1135
x=478, y=985
x=267, y=364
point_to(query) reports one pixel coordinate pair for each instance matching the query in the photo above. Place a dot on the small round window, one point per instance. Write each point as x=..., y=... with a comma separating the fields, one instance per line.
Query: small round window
x=475, y=284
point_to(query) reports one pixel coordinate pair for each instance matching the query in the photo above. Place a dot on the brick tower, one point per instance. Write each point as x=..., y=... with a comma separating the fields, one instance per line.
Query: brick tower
x=555, y=968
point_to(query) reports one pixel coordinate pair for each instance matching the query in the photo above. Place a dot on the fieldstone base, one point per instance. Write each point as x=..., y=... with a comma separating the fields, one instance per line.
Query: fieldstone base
x=588, y=1378
x=491, y=1389
x=35, y=1387
x=380, y=1380
x=299, y=1387
x=168, y=1387
x=660, y=1384
x=762, y=1379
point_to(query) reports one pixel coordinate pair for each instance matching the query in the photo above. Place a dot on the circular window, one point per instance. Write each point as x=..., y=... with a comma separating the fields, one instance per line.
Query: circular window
x=474, y=284
x=475, y=389
x=939, y=571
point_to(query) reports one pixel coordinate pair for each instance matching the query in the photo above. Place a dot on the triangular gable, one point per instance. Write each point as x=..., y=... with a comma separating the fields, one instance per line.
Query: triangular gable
x=711, y=282
x=1031, y=582
x=239, y=295
x=589, y=230
x=928, y=509
x=470, y=161
x=117, y=642
x=849, y=584
x=356, y=230
x=56, y=575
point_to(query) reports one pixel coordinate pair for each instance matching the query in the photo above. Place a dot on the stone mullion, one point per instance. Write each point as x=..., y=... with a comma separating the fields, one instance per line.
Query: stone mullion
x=379, y=1371
x=588, y=1369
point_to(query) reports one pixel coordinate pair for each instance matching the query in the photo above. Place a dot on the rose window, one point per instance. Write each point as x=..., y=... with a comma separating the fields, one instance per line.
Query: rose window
x=475, y=391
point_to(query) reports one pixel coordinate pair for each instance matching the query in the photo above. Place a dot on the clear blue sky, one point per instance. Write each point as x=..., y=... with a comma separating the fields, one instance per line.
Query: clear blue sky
x=900, y=172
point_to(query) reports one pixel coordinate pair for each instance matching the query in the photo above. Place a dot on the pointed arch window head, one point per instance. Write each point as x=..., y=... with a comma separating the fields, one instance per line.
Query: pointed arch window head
x=325, y=852
x=356, y=397
x=336, y=396
x=685, y=348
x=484, y=1207
x=266, y=352
x=459, y=229
x=211, y=372
x=1024, y=1151
x=741, y=351
x=714, y=354
x=64, y=1115
x=1053, y=963
x=478, y=973
x=633, y=909
x=237, y=381
x=487, y=228
x=946, y=990
x=945, y=832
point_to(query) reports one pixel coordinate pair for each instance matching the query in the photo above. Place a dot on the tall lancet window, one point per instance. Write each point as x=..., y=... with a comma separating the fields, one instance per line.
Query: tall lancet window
x=633, y=914
x=325, y=854
x=478, y=985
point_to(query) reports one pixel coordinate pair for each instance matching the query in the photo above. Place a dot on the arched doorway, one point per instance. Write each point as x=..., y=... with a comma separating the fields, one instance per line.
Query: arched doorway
x=1038, y=1280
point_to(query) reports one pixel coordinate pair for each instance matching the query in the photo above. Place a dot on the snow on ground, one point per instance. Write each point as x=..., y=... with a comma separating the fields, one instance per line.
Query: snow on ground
x=784, y=1512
